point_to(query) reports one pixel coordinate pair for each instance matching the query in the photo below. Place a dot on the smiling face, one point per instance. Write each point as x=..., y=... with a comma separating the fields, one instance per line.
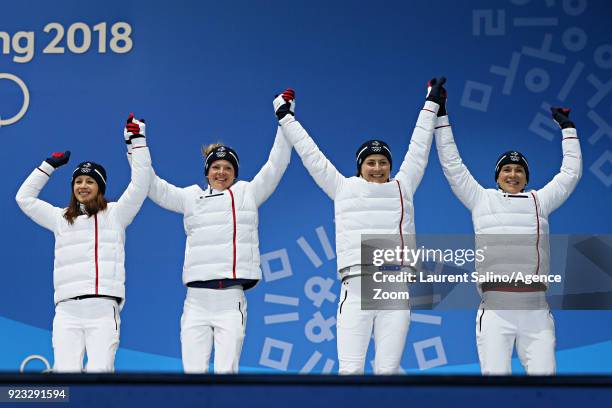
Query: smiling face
x=376, y=168
x=512, y=178
x=221, y=175
x=85, y=189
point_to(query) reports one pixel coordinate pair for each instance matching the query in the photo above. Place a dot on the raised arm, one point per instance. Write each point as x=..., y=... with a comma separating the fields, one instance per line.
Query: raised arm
x=465, y=187
x=322, y=171
x=265, y=181
x=41, y=212
x=553, y=194
x=161, y=192
x=461, y=181
x=413, y=167
x=166, y=195
x=132, y=198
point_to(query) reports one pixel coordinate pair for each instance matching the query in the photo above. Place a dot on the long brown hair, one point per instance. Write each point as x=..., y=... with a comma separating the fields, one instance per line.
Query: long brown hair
x=92, y=207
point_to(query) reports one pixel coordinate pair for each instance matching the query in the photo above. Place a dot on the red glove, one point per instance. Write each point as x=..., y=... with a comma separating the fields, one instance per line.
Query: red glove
x=284, y=104
x=134, y=127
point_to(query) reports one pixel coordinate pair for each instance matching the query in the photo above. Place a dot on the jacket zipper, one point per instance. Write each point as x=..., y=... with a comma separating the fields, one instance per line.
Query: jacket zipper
x=535, y=201
x=96, y=250
x=234, y=234
x=401, y=218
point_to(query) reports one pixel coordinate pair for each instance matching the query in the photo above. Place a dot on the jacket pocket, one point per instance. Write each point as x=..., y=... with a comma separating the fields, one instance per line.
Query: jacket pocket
x=115, y=318
x=480, y=320
x=343, y=300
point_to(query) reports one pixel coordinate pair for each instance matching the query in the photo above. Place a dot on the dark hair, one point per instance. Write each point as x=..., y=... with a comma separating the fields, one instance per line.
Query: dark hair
x=92, y=207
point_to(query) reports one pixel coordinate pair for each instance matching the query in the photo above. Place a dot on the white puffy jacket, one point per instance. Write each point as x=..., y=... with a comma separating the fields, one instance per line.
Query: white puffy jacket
x=362, y=207
x=89, y=254
x=497, y=216
x=222, y=226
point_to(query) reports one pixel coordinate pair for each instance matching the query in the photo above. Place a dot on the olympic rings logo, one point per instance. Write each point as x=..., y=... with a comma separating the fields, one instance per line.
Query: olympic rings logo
x=35, y=357
x=26, y=99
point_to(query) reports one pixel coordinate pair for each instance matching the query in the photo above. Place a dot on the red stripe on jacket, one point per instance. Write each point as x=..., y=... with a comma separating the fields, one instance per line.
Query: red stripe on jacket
x=96, y=250
x=535, y=201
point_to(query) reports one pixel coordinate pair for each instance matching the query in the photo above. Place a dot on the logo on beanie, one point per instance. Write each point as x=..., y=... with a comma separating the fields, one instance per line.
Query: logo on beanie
x=514, y=156
x=220, y=154
x=376, y=147
x=221, y=149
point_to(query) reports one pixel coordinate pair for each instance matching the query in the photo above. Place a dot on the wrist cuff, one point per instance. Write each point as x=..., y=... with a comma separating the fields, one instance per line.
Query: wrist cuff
x=569, y=132
x=46, y=167
x=442, y=121
x=287, y=119
x=568, y=125
x=431, y=106
x=138, y=141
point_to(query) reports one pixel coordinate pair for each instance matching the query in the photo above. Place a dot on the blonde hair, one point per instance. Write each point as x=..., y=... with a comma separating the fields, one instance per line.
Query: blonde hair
x=206, y=149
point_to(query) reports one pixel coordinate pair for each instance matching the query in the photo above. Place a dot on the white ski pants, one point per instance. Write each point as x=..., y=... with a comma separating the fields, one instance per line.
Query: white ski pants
x=89, y=325
x=213, y=316
x=354, y=331
x=533, y=332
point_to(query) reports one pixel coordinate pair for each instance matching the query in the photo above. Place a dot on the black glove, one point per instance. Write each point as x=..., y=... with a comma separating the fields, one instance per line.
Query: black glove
x=437, y=93
x=284, y=104
x=58, y=159
x=561, y=116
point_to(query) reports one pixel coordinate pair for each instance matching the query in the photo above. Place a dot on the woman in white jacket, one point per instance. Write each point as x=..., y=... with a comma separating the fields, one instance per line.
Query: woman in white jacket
x=221, y=252
x=369, y=203
x=512, y=225
x=89, y=273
